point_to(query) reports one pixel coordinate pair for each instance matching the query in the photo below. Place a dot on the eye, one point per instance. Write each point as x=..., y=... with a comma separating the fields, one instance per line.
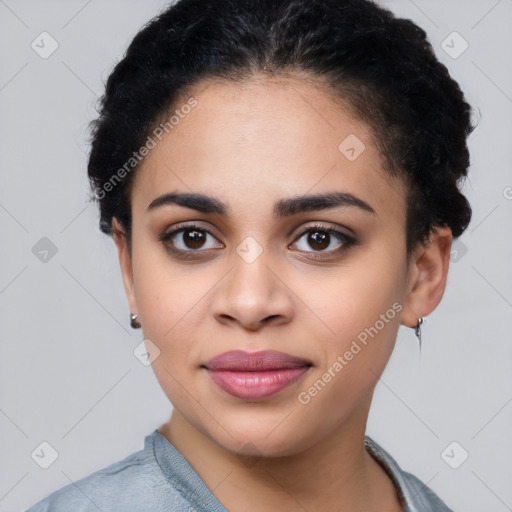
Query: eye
x=321, y=238
x=189, y=238
x=188, y=241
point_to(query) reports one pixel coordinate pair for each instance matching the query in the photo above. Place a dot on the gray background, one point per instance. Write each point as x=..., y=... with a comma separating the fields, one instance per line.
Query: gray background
x=68, y=375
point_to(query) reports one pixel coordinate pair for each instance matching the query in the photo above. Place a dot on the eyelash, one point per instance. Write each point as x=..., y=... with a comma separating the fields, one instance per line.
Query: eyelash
x=347, y=241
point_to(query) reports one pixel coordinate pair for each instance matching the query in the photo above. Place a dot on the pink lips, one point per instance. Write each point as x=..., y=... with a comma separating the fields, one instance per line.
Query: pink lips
x=255, y=375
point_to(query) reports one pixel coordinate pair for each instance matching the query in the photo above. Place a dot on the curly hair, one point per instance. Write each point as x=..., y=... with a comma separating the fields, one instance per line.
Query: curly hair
x=381, y=66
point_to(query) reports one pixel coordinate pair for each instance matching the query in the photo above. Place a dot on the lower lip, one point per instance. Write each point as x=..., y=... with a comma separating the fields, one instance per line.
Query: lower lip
x=256, y=385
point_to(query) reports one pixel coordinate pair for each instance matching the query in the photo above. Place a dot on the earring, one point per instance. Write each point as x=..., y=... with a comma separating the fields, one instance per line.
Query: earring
x=417, y=329
x=133, y=321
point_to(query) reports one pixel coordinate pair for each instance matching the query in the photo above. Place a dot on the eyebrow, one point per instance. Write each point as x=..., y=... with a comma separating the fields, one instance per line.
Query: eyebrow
x=282, y=208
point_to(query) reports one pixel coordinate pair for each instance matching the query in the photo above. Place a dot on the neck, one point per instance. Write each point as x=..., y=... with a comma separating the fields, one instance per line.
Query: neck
x=335, y=474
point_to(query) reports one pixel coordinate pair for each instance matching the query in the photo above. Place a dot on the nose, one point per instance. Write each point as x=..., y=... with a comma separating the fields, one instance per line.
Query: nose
x=253, y=295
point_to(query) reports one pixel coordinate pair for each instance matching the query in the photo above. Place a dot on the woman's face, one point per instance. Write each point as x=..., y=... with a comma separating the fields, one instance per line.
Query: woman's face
x=254, y=274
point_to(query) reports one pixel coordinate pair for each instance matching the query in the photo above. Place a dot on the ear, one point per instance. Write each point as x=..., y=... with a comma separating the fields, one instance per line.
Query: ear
x=125, y=262
x=428, y=272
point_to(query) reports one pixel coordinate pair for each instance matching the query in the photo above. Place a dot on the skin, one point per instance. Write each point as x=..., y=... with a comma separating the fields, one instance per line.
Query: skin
x=250, y=144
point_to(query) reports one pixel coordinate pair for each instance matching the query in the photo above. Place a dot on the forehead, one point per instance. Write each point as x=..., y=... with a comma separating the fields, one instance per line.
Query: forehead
x=265, y=138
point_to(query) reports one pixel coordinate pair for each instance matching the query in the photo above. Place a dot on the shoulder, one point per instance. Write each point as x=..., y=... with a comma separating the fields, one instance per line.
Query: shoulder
x=417, y=496
x=421, y=497
x=135, y=483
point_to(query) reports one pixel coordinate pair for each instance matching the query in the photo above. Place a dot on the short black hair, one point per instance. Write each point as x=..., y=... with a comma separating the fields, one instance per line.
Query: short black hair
x=382, y=66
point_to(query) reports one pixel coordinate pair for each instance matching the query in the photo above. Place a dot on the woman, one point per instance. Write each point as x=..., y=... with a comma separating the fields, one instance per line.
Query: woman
x=281, y=181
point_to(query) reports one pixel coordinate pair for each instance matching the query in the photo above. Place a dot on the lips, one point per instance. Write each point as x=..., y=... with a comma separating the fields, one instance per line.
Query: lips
x=255, y=375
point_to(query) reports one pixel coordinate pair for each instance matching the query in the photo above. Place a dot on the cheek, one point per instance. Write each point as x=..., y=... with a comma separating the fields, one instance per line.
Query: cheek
x=167, y=293
x=353, y=298
x=358, y=312
x=166, y=308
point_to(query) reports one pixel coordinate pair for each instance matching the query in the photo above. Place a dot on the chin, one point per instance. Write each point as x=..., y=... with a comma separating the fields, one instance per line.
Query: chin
x=257, y=437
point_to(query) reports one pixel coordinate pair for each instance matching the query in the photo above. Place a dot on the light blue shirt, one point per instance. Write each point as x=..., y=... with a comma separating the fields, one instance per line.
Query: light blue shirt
x=158, y=479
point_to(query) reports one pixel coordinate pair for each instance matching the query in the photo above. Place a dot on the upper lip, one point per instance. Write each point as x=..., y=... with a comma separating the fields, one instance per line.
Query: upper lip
x=264, y=360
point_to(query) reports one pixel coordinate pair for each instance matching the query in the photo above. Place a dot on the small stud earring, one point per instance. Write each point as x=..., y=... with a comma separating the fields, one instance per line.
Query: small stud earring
x=133, y=321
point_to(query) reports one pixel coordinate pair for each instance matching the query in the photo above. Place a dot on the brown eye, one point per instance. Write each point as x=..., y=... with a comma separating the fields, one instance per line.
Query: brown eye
x=324, y=240
x=193, y=238
x=318, y=239
x=189, y=239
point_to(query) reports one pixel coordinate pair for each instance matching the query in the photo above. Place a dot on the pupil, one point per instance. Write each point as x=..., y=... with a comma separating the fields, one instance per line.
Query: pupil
x=319, y=239
x=194, y=237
